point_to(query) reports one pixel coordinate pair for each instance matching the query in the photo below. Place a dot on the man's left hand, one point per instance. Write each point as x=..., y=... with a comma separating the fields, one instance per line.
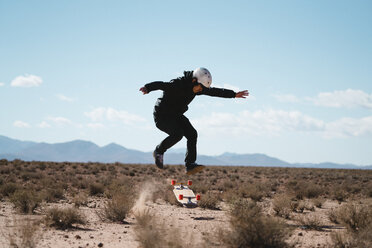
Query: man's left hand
x=242, y=94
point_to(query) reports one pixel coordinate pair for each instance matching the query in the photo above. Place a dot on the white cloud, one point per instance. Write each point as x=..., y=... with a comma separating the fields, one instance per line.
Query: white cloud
x=60, y=120
x=65, y=98
x=275, y=122
x=2, y=84
x=44, y=124
x=21, y=124
x=286, y=98
x=343, y=98
x=349, y=127
x=95, y=125
x=27, y=81
x=270, y=122
x=113, y=115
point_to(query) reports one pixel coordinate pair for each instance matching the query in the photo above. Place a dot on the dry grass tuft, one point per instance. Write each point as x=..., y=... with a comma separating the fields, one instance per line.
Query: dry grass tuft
x=151, y=232
x=209, y=201
x=25, y=201
x=8, y=189
x=282, y=205
x=64, y=218
x=355, y=216
x=24, y=233
x=96, y=189
x=358, y=220
x=80, y=200
x=311, y=222
x=250, y=228
x=117, y=208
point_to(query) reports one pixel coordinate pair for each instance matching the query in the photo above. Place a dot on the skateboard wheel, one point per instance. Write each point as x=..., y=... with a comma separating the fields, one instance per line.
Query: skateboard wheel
x=198, y=197
x=180, y=197
x=189, y=182
x=173, y=182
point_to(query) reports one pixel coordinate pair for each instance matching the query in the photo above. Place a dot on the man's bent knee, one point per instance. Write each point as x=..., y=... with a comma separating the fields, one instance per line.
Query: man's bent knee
x=176, y=136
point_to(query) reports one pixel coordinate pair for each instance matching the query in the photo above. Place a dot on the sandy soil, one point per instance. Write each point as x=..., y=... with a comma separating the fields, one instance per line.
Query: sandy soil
x=194, y=223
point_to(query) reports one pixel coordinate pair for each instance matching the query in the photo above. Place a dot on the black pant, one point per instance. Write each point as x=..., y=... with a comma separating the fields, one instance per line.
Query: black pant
x=177, y=127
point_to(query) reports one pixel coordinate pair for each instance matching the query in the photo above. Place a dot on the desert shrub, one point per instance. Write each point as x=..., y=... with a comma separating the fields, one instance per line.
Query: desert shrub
x=96, y=189
x=26, y=201
x=250, y=228
x=368, y=191
x=118, y=187
x=318, y=202
x=30, y=175
x=3, y=161
x=8, y=188
x=200, y=187
x=308, y=190
x=225, y=185
x=209, y=201
x=254, y=191
x=310, y=221
x=298, y=206
x=151, y=232
x=358, y=221
x=64, y=218
x=309, y=206
x=53, y=194
x=41, y=166
x=354, y=216
x=24, y=233
x=117, y=208
x=359, y=239
x=282, y=205
x=80, y=200
x=339, y=194
x=333, y=216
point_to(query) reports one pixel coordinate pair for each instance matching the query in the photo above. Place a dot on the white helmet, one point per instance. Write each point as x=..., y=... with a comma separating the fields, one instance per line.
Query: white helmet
x=203, y=76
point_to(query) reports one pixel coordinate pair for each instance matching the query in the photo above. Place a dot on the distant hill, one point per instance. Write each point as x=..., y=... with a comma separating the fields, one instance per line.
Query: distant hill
x=86, y=151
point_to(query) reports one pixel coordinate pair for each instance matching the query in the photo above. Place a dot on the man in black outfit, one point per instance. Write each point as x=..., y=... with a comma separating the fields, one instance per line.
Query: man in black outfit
x=169, y=110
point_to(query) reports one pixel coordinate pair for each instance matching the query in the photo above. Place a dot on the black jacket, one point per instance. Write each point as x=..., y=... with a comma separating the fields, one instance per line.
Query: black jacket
x=178, y=93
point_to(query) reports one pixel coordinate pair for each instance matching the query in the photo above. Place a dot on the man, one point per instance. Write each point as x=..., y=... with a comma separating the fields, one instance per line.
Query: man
x=169, y=110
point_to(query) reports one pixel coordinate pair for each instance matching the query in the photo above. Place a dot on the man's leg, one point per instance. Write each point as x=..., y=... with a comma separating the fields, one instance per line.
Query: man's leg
x=192, y=135
x=171, y=126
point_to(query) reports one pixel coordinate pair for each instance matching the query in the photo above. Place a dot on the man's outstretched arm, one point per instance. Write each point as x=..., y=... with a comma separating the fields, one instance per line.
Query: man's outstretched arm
x=219, y=92
x=159, y=85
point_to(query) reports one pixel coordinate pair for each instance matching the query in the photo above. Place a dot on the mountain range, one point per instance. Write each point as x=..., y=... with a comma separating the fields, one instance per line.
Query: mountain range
x=86, y=151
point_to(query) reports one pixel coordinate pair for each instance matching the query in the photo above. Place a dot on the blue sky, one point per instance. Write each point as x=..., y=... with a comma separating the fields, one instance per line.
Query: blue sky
x=72, y=69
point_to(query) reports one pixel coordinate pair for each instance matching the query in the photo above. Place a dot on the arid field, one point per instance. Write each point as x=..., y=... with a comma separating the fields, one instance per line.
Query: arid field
x=47, y=204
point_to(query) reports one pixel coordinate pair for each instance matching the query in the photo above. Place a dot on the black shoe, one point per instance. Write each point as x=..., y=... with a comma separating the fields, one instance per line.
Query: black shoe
x=193, y=168
x=158, y=159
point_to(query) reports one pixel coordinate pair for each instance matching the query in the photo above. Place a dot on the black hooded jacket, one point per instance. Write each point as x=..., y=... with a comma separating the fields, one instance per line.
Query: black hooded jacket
x=178, y=93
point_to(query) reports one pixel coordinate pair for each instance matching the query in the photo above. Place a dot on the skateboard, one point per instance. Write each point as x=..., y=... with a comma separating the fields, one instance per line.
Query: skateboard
x=185, y=195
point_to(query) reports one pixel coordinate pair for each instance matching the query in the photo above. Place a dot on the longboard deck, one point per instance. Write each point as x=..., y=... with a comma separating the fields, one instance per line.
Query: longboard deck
x=189, y=198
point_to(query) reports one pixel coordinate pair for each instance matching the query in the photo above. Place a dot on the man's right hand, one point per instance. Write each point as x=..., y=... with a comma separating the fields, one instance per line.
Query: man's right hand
x=144, y=90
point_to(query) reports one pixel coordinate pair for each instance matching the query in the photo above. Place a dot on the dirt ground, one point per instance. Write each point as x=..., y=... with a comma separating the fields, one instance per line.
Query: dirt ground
x=195, y=224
